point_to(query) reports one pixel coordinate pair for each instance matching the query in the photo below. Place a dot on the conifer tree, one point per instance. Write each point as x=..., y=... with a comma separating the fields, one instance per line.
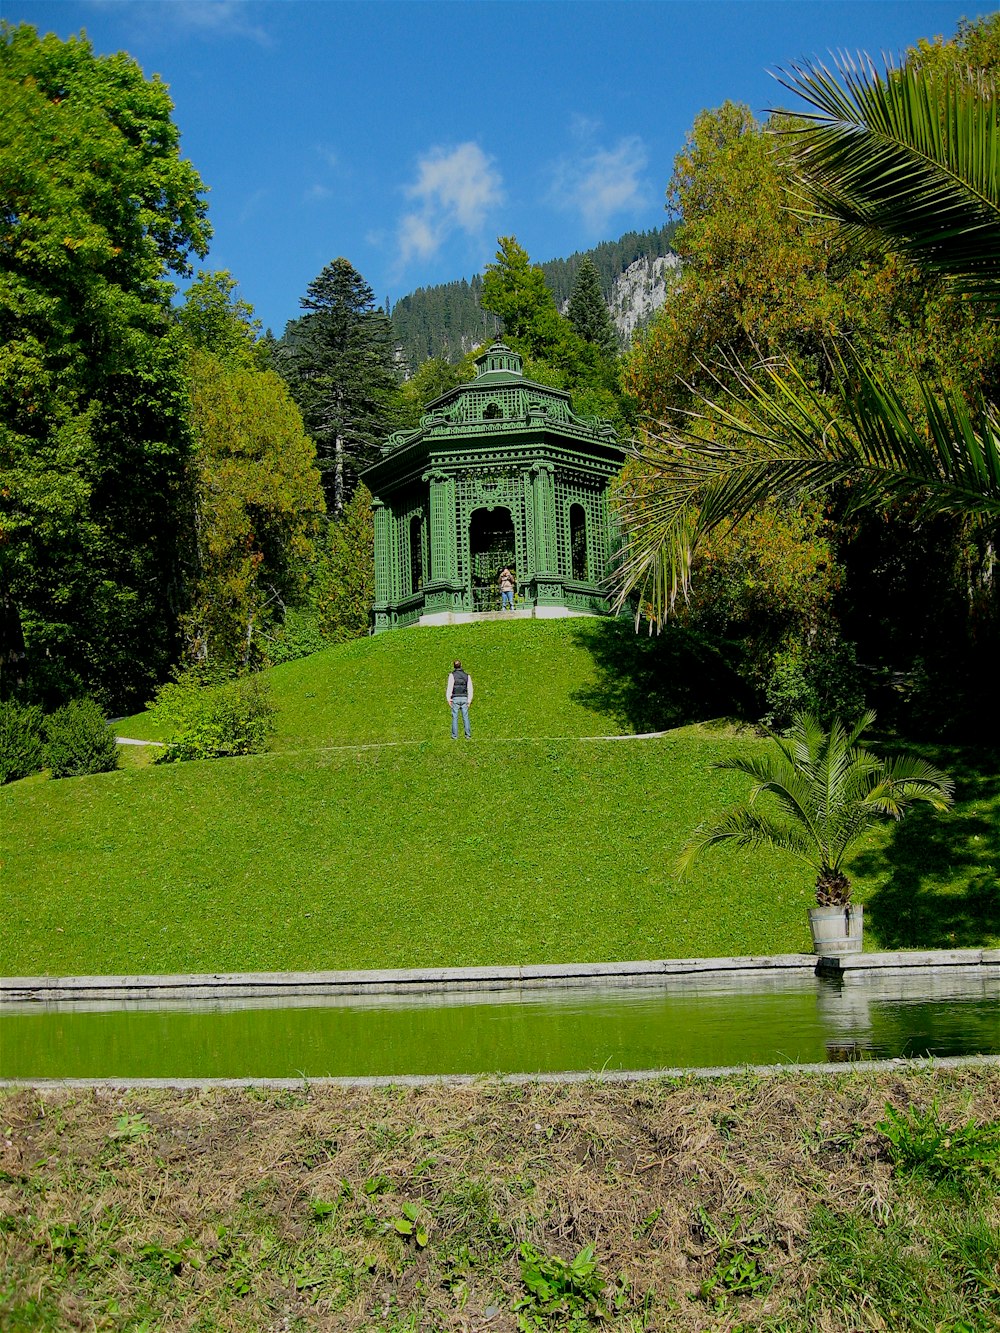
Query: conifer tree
x=338, y=360
x=588, y=312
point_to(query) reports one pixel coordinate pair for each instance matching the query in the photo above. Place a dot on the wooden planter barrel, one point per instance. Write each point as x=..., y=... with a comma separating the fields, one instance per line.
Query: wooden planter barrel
x=836, y=930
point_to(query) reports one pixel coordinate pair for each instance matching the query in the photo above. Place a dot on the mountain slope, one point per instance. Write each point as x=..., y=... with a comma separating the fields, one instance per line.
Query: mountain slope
x=447, y=320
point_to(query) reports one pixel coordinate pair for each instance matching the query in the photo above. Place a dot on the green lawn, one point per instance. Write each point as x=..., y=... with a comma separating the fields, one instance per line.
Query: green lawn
x=528, y=676
x=502, y=850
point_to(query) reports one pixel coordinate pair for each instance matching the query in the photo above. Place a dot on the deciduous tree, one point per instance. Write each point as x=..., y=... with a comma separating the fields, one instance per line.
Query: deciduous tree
x=96, y=208
x=256, y=498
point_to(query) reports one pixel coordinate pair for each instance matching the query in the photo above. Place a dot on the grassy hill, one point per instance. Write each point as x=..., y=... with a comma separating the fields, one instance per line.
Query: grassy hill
x=368, y=838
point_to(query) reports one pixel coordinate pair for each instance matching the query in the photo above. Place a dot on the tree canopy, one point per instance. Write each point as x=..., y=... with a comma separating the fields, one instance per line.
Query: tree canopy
x=907, y=162
x=254, y=489
x=554, y=352
x=98, y=207
x=805, y=354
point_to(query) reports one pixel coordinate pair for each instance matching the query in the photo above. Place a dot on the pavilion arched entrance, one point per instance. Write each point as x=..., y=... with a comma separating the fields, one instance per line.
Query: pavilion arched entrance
x=491, y=546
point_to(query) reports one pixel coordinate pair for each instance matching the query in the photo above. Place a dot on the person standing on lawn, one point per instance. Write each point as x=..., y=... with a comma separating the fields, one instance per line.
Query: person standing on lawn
x=459, y=696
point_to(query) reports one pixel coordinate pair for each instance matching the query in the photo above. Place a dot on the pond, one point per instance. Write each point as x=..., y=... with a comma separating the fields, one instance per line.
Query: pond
x=800, y=1019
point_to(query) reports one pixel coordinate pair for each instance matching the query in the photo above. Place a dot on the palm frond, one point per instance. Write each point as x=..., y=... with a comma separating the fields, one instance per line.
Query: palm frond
x=907, y=779
x=908, y=158
x=777, y=438
x=748, y=827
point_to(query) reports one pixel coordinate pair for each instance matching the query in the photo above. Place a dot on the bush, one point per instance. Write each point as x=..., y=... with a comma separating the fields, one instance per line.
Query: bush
x=211, y=722
x=343, y=587
x=299, y=636
x=21, y=751
x=821, y=678
x=78, y=740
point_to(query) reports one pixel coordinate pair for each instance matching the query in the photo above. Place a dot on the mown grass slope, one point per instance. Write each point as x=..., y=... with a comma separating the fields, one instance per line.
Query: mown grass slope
x=367, y=838
x=530, y=678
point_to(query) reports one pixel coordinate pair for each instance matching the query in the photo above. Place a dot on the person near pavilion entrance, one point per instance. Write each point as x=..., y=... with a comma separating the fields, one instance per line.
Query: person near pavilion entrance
x=507, y=585
x=459, y=696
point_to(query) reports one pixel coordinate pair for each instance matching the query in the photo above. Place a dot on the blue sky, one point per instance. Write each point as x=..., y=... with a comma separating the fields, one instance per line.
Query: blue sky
x=408, y=136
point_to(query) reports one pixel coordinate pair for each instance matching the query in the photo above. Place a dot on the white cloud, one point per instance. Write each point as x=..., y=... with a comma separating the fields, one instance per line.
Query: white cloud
x=226, y=18
x=453, y=189
x=603, y=182
x=417, y=236
x=317, y=192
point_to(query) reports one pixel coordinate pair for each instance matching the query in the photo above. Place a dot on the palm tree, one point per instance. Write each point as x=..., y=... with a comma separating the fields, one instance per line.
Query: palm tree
x=827, y=792
x=908, y=160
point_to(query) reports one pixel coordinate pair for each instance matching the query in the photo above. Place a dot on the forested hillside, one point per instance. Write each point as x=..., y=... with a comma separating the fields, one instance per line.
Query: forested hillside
x=448, y=320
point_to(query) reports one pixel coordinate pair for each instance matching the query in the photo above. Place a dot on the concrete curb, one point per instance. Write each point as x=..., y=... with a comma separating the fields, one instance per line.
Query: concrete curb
x=851, y=1069
x=424, y=981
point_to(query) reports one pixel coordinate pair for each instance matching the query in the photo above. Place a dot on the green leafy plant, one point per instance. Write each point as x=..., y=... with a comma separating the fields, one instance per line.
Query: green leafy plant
x=921, y=1143
x=820, y=677
x=79, y=741
x=233, y=718
x=410, y=1225
x=569, y=1293
x=737, y=1270
x=131, y=1127
x=829, y=791
x=21, y=748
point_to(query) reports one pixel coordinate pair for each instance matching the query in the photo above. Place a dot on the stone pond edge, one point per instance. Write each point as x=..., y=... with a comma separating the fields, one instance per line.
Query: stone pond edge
x=851, y=1069
x=429, y=981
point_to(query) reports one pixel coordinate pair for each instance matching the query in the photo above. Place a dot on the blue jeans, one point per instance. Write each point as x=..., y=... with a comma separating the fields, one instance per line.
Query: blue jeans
x=459, y=704
x=507, y=600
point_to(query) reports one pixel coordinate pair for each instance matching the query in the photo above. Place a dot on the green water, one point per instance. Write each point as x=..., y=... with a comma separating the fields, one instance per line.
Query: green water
x=531, y=1033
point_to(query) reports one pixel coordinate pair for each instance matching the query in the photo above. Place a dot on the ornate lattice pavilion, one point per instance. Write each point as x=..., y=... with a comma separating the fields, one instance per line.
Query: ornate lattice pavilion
x=500, y=471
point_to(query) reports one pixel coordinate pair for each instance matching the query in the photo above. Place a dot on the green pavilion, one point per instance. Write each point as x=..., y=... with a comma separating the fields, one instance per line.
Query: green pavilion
x=500, y=471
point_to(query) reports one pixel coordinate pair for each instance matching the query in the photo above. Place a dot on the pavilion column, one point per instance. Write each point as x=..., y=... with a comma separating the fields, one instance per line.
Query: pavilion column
x=443, y=530
x=543, y=501
x=383, y=553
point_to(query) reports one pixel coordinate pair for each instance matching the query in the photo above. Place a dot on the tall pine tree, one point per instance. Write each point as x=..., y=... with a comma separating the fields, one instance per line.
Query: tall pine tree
x=338, y=360
x=588, y=312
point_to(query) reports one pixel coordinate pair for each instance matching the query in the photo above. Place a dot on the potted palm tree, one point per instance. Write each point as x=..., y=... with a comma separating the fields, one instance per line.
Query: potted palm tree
x=827, y=791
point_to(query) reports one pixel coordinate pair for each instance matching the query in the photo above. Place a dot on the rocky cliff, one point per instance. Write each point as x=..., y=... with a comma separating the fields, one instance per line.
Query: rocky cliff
x=640, y=290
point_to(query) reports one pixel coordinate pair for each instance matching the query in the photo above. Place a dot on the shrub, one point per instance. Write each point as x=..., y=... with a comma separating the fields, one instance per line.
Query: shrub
x=821, y=678
x=21, y=751
x=78, y=740
x=300, y=634
x=343, y=588
x=211, y=722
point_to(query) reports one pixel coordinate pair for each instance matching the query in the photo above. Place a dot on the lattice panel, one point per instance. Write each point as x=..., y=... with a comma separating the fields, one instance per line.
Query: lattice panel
x=442, y=534
x=498, y=404
x=570, y=490
x=408, y=508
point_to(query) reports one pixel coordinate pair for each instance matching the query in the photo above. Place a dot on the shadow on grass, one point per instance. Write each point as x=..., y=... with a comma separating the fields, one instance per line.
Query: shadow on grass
x=943, y=889
x=654, y=682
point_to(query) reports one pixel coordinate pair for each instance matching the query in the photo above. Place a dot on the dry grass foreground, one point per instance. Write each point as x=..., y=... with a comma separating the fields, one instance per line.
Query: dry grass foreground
x=746, y=1203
